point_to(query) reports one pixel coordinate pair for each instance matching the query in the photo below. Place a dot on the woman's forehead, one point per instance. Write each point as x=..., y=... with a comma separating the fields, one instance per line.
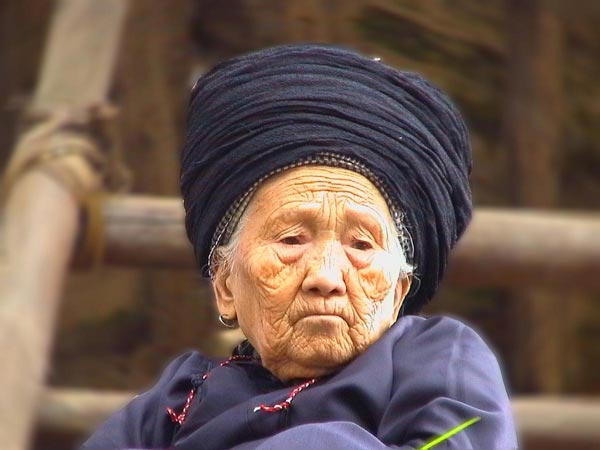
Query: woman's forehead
x=312, y=187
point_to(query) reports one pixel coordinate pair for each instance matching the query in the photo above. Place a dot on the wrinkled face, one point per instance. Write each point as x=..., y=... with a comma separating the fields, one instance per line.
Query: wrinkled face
x=316, y=276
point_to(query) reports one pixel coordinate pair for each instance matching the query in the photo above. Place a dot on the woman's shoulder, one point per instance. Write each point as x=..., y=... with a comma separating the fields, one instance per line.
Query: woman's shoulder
x=447, y=348
x=144, y=422
x=174, y=383
x=176, y=379
x=442, y=331
x=442, y=345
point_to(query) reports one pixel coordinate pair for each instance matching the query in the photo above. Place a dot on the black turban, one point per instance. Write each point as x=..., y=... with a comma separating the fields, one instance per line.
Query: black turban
x=259, y=113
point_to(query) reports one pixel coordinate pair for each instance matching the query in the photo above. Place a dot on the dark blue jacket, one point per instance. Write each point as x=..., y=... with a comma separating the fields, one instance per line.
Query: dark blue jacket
x=422, y=378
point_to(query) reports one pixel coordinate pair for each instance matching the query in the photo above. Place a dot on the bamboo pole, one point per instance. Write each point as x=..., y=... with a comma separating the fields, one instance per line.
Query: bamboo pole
x=501, y=247
x=51, y=169
x=35, y=265
x=528, y=247
x=558, y=422
x=569, y=421
x=144, y=231
x=78, y=61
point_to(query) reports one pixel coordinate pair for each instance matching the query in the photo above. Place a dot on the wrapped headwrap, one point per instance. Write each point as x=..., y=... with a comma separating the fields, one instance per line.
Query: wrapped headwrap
x=258, y=114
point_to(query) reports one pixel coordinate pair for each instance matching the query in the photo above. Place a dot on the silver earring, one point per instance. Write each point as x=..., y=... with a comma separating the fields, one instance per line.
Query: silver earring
x=227, y=322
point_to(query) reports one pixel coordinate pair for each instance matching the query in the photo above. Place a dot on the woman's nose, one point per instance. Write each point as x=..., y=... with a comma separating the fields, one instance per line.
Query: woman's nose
x=325, y=275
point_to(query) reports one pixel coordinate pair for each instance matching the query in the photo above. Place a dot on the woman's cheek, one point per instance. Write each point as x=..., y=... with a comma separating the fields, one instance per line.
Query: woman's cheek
x=275, y=285
x=269, y=270
x=374, y=283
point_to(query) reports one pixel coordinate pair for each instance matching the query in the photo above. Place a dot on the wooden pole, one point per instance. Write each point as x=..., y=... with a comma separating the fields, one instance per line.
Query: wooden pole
x=554, y=422
x=78, y=63
x=51, y=169
x=528, y=247
x=144, y=231
x=533, y=123
x=32, y=273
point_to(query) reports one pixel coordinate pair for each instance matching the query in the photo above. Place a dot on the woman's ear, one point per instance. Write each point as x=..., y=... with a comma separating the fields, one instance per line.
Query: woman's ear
x=402, y=288
x=223, y=294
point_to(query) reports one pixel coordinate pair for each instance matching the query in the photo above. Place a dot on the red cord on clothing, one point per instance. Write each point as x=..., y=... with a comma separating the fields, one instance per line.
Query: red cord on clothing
x=180, y=418
x=288, y=401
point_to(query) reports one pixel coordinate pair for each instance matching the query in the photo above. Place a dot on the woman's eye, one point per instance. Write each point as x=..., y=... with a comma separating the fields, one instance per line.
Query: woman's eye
x=290, y=240
x=362, y=245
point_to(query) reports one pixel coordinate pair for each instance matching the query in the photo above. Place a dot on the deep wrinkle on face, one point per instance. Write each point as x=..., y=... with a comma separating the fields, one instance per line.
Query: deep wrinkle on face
x=316, y=277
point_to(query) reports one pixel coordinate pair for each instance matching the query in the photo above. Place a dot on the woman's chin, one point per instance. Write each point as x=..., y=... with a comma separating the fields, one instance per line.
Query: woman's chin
x=322, y=352
x=318, y=345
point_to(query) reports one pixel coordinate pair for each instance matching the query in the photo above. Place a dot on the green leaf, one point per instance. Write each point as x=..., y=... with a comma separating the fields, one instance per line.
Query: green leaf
x=448, y=434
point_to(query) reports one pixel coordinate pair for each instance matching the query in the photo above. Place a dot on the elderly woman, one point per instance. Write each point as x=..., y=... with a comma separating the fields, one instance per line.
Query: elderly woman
x=323, y=192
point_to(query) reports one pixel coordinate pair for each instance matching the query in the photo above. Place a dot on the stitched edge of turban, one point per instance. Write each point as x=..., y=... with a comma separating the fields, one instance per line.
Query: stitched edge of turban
x=267, y=109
